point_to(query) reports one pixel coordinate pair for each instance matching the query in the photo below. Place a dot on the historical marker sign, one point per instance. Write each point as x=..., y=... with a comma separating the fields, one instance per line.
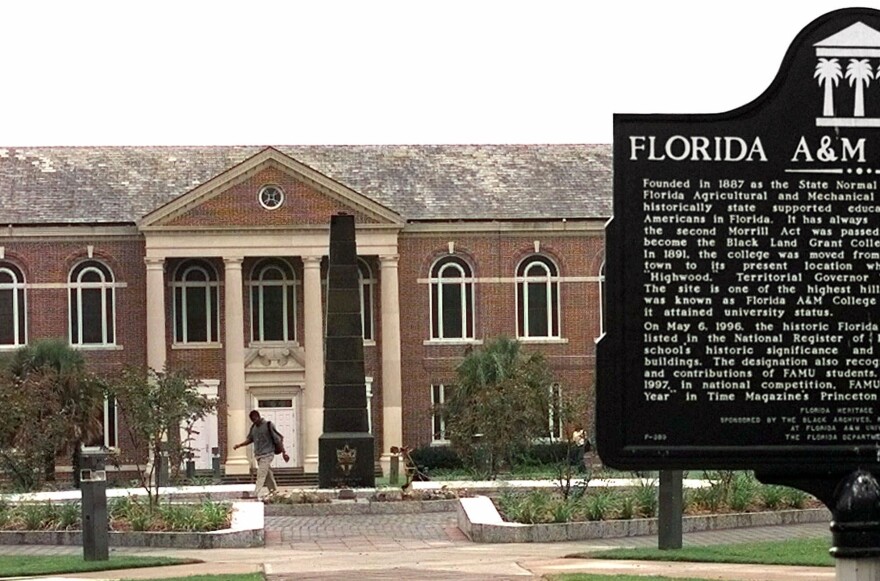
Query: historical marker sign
x=743, y=272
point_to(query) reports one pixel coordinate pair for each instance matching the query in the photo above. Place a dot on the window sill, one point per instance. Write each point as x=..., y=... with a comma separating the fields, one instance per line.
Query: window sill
x=264, y=344
x=452, y=342
x=543, y=340
x=440, y=443
x=96, y=347
x=176, y=346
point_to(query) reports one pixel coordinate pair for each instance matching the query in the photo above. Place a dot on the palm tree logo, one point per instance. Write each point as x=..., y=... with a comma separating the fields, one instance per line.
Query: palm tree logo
x=828, y=72
x=859, y=46
x=859, y=73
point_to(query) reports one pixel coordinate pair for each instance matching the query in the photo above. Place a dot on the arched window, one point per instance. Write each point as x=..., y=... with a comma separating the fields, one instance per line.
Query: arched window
x=196, y=303
x=273, y=301
x=452, y=299
x=367, y=283
x=92, y=304
x=537, y=298
x=12, y=306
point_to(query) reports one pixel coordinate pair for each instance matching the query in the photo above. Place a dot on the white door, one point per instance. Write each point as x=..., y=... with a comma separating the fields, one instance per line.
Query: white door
x=204, y=439
x=281, y=413
x=204, y=436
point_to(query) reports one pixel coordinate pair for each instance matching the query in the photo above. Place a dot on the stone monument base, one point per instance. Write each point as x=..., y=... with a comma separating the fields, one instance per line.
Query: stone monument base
x=346, y=460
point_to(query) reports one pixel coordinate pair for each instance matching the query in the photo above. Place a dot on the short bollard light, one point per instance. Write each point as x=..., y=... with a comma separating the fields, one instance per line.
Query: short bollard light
x=93, y=479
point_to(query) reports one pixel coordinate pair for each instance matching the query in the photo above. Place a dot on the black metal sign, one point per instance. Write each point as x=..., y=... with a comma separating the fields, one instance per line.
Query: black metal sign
x=743, y=271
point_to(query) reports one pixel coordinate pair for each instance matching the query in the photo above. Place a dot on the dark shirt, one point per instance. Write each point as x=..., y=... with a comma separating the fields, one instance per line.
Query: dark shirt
x=259, y=435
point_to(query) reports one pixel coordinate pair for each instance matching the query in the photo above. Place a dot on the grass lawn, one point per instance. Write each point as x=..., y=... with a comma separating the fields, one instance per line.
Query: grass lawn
x=807, y=552
x=239, y=577
x=20, y=566
x=581, y=577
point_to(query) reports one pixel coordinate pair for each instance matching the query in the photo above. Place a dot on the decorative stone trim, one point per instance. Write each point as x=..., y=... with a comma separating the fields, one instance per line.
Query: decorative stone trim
x=227, y=539
x=480, y=522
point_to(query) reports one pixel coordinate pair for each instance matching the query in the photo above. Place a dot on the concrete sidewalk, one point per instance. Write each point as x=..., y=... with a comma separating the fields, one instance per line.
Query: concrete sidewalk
x=372, y=547
x=429, y=546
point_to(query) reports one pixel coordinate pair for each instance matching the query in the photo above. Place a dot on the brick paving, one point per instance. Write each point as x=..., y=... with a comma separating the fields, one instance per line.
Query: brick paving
x=375, y=531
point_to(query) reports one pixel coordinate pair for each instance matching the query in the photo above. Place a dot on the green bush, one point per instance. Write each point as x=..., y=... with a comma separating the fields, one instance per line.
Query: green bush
x=742, y=492
x=548, y=454
x=772, y=496
x=600, y=505
x=646, y=500
x=437, y=458
x=795, y=498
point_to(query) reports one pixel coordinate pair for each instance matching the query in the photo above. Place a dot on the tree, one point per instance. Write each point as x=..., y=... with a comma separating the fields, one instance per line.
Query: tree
x=54, y=406
x=828, y=72
x=154, y=406
x=858, y=72
x=572, y=412
x=499, y=405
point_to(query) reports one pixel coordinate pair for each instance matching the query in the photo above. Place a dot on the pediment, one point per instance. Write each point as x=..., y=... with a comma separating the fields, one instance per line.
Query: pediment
x=268, y=358
x=239, y=198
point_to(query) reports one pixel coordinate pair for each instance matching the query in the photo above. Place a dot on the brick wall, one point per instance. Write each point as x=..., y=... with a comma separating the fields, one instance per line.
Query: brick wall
x=47, y=263
x=239, y=205
x=494, y=256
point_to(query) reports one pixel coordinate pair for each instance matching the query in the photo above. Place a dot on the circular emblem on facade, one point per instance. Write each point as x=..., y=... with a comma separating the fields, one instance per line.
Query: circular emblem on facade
x=271, y=197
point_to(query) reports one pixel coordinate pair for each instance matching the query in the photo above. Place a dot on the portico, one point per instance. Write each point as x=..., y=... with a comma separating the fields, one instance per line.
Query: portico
x=253, y=367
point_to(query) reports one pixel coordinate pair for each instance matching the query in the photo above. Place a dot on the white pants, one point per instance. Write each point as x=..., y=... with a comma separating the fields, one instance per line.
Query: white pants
x=264, y=475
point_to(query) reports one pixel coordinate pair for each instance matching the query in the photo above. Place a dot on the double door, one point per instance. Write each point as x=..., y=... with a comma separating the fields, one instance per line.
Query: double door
x=282, y=413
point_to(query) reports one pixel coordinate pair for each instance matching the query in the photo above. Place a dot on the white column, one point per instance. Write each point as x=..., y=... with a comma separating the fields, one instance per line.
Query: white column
x=392, y=410
x=156, y=354
x=314, y=348
x=236, y=419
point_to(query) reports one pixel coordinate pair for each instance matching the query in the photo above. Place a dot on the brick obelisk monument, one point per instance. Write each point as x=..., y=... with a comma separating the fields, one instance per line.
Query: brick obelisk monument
x=346, y=448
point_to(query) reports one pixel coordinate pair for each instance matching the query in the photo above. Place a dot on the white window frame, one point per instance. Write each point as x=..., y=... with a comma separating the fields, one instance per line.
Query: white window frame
x=212, y=292
x=602, y=299
x=288, y=285
x=366, y=286
x=19, y=307
x=369, y=387
x=76, y=287
x=438, y=417
x=465, y=282
x=110, y=440
x=554, y=418
x=550, y=282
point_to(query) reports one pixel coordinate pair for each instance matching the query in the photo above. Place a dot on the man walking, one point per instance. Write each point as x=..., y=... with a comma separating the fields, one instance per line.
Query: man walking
x=264, y=436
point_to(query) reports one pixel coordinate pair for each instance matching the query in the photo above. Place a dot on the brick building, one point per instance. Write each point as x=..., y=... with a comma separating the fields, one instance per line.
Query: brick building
x=212, y=258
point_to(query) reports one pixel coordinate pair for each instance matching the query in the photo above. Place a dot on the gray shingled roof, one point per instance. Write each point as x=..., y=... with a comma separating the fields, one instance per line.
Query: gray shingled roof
x=420, y=182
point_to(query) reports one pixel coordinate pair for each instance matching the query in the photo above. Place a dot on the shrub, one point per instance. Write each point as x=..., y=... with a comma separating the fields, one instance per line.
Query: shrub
x=795, y=498
x=533, y=507
x=304, y=497
x=599, y=505
x=437, y=458
x=628, y=506
x=772, y=496
x=742, y=492
x=646, y=499
x=547, y=454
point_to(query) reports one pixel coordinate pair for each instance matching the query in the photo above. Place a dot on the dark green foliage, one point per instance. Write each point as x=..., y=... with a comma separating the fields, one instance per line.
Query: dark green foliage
x=51, y=406
x=429, y=458
x=155, y=406
x=499, y=406
x=548, y=454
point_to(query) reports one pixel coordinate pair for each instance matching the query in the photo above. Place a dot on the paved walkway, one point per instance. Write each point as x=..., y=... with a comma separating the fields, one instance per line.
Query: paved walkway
x=430, y=546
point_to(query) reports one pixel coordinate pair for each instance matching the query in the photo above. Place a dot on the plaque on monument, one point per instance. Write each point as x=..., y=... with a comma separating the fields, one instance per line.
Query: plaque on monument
x=346, y=448
x=743, y=272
